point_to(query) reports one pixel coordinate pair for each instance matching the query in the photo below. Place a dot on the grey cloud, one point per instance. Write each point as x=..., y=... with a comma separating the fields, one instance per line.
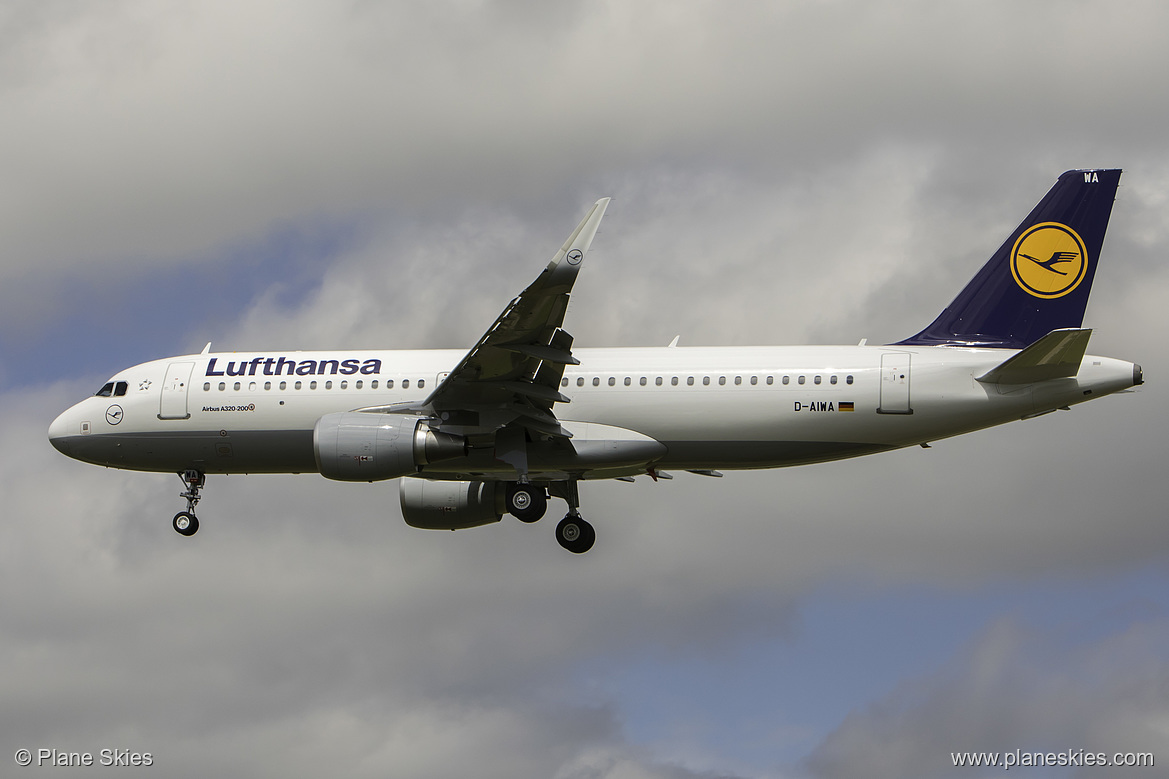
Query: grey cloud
x=1016, y=687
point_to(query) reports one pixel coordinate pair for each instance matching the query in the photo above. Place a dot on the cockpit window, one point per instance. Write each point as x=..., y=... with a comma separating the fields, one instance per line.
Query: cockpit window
x=120, y=389
x=105, y=391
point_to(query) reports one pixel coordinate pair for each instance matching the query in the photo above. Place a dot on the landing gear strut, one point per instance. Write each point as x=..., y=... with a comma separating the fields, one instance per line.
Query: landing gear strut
x=185, y=522
x=574, y=533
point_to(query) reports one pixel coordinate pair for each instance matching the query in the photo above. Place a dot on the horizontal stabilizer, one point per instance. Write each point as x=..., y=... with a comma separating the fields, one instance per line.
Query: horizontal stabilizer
x=1056, y=355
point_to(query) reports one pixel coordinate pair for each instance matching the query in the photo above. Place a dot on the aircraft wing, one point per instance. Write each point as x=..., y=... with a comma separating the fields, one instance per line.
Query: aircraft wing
x=512, y=375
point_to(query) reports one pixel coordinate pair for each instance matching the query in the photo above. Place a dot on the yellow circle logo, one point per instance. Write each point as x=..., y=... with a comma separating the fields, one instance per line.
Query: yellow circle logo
x=1049, y=260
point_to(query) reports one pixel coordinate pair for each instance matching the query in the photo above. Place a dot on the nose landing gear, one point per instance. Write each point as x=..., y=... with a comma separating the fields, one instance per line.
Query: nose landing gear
x=185, y=522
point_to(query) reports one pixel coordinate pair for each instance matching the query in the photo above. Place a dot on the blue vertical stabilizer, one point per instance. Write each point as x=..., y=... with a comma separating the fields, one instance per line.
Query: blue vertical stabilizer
x=1039, y=279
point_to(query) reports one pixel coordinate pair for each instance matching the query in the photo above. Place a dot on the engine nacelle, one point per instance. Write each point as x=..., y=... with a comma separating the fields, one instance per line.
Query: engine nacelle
x=450, y=505
x=358, y=446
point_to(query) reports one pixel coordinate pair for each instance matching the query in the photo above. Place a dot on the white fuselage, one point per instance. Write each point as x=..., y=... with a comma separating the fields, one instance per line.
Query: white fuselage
x=711, y=407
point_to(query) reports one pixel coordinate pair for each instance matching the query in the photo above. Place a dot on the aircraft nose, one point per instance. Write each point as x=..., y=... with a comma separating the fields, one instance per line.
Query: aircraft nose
x=58, y=433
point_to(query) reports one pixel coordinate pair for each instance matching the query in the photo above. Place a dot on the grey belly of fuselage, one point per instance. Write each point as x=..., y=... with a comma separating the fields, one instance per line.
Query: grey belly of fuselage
x=259, y=451
x=291, y=451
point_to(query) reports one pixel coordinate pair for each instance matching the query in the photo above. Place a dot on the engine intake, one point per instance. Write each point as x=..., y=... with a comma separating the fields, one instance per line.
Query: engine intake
x=358, y=446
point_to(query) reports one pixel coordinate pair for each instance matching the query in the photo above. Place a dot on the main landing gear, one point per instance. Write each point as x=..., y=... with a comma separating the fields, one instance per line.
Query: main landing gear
x=575, y=535
x=185, y=522
x=527, y=503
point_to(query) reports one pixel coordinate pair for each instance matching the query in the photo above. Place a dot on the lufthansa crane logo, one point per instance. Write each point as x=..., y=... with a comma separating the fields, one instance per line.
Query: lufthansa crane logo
x=1049, y=260
x=575, y=256
x=114, y=414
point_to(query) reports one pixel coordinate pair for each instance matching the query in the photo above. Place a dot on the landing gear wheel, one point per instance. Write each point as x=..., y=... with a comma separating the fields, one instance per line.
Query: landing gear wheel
x=575, y=535
x=185, y=523
x=525, y=502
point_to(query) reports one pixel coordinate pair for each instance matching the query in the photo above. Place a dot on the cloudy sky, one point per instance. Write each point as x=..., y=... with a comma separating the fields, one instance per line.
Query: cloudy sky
x=277, y=175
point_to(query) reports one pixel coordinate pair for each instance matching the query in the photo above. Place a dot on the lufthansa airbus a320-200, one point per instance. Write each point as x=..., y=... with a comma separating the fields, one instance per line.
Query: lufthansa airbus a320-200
x=524, y=415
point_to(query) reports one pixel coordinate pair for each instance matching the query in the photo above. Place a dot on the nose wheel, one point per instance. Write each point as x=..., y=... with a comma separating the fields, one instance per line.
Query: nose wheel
x=185, y=522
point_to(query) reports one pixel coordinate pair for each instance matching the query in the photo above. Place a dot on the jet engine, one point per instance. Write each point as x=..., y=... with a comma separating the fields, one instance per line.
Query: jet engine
x=450, y=505
x=359, y=446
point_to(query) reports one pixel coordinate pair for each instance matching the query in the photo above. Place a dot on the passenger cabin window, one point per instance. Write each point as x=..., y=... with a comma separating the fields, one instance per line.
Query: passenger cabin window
x=848, y=379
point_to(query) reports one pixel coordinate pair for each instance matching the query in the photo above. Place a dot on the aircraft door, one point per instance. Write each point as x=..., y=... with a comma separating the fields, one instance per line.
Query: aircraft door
x=173, y=403
x=895, y=383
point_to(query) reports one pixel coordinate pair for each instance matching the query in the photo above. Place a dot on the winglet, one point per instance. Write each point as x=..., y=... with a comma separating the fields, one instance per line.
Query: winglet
x=566, y=262
x=1056, y=355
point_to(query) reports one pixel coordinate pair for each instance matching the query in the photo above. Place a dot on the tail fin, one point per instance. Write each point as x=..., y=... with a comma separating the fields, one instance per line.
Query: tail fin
x=1039, y=279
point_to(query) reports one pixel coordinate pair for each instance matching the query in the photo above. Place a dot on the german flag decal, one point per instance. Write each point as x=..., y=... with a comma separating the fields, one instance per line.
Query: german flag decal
x=844, y=405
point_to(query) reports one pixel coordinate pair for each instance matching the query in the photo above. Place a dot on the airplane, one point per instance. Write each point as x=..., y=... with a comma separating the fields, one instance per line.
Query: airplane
x=524, y=416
